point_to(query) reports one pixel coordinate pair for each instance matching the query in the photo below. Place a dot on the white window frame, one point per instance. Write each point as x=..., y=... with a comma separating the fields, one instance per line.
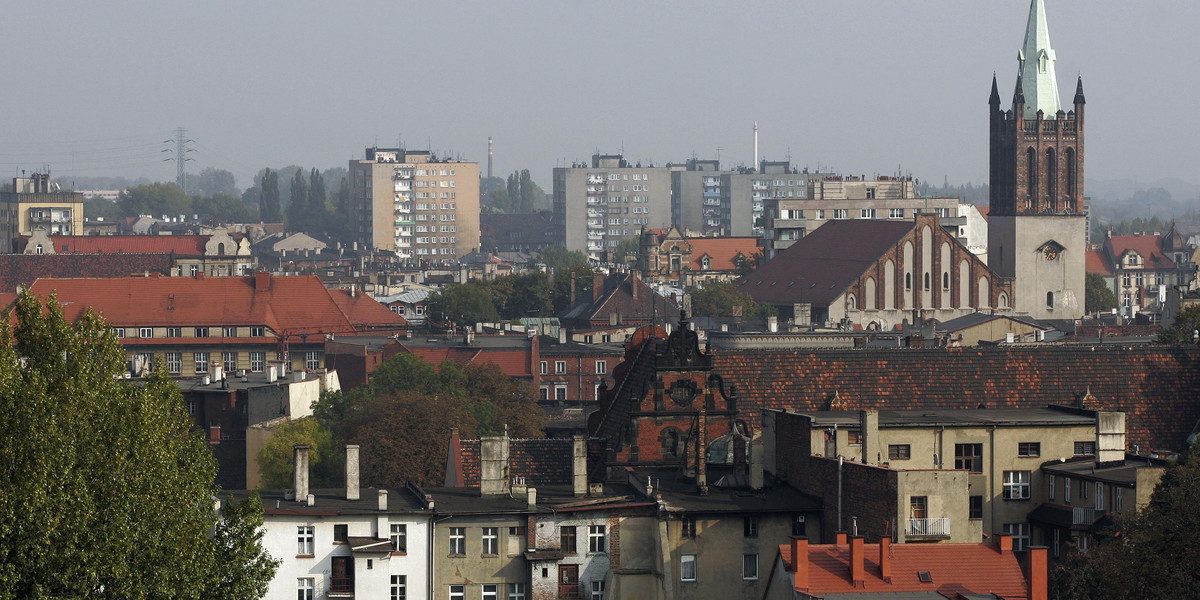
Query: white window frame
x=601, y=367
x=544, y=366
x=458, y=592
x=560, y=366
x=398, y=535
x=258, y=361
x=1050, y=487
x=305, y=540
x=145, y=332
x=491, y=541
x=229, y=361
x=200, y=361
x=597, y=590
x=313, y=359
x=305, y=588
x=1016, y=485
x=491, y=591
x=687, y=567
x=516, y=591
x=458, y=541
x=174, y=362
x=597, y=539
x=1099, y=495
x=399, y=587
x=1067, y=490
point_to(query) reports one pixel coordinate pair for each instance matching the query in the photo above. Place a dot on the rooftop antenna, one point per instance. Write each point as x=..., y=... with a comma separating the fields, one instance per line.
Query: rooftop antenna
x=718, y=155
x=756, y=145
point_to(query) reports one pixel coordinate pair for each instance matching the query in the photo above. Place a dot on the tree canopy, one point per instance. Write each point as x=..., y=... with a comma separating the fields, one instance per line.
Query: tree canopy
x=106, y=491
x=1098, y=297
x=718, y=299
x=1183, y=330
x=463, y=304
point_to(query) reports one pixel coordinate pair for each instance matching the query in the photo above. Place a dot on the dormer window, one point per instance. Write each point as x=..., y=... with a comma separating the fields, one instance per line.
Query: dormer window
x=706, y=263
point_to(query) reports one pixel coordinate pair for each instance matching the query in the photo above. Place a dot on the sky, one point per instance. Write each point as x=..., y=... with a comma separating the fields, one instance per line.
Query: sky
x=854, y=86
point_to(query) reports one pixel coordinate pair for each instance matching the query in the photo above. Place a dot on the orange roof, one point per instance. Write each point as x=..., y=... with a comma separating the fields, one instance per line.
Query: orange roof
x=363, y=310
x=184, y=245
x=1149, y=246
x=984, y=210
x=293, y=305
x=1097, y=264
x=954, y=569
x=514, y=363
x=721, y=251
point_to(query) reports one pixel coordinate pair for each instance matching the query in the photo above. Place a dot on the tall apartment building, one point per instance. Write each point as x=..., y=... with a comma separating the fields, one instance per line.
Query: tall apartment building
x=708, y=201
x=600, y=206
x=424, y=209
x=33, y=202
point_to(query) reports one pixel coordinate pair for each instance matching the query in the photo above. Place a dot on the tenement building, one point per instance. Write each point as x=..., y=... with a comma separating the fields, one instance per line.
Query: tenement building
x=1037, y=226
x=599, y=206
x=35, y=202
x=422, y=207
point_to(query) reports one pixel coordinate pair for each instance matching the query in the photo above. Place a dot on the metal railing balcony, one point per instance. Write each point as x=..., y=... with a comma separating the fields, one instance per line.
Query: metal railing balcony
x=1081, y=515
x=938, y=526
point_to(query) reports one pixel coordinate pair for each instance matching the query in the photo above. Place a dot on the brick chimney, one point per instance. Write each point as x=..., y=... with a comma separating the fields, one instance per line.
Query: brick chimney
x=800, y=561
x=885, y=559
x=579, y=478
x=1038, y=574
x=300, y=471
x=597, y=287
x=262, y=281
x=858, y=570
x=840, y=538
x=352, y=472
x=1004, y=543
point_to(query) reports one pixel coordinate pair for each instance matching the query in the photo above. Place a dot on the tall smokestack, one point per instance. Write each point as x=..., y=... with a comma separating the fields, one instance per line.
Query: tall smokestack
x=756, y=145
x=489, y=157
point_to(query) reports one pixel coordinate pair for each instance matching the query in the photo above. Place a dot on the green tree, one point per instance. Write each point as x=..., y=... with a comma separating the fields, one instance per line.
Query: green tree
x=316, y=197
x=745, y=265
x=557, y=258
x=298, y=216
x=105, y=488
x=524, y=295
x=154, y=199
x=583, y=277
x=220, y=209
x=211, y=182
x=1183, y=330
x=462, y=304
x=718, y=299
x=628, y=251
x=325, y=459
x=1098, y=296
x=269, y=210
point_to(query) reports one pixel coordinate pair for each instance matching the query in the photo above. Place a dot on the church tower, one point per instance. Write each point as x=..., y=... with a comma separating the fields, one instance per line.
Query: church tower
x=1037, y=224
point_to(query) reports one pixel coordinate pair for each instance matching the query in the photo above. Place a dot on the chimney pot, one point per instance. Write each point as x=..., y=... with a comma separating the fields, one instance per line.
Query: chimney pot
x=1004, y=541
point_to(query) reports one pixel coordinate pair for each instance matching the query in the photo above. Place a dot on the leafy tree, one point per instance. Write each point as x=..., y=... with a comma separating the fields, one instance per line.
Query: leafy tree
x=1187, y=322
x=221, y=208
x=269, y=209
x=560, y=292
x=155, y=199
x=628, y=251
x=558, y=258
x=298, y=215
x=462, y=304
x=325, y=459
x=745, y=265
x=316, y=196
x=717, y=299
x=211, y=182
x=524, y=295
x=105, y=488
x=1097, y=295
x=108, y=210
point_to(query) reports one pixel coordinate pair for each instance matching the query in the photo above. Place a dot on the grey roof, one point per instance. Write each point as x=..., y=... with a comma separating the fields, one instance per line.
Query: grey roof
x=679, y=492
x=954, y=417
x=977, y=318
x=468, y=501
x=1121, y=473
x=333, y=501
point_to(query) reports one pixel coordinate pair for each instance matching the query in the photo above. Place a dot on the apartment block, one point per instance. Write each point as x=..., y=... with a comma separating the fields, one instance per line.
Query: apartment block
x=411, y=202
x=35, y=202
x=710, y=202
x=599, y=206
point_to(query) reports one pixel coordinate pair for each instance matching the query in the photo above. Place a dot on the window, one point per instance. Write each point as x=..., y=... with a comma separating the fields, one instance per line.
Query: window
x=975, y=507
x=1016, y=485
x=304, y=588
x=597, y=539
x=1099, y=495
x=749, y=566
x=821, y=215
x=257, y=359
x=969, y=457
x=560, y=392
x=258, y=331
x=341, y=532
x=119, y=332
x=174, y=332
x=304, y=540
x=899, y=451
x=1067, y=490
x=560, y=366
x=566, y=539
x=1050, y=487
x=491, y=591
x=839, y=213
x=201, y=332
x=605, y=338
x=750, y=526
x=312, y=360
x=229, y=361
x=543, y=367
x=1118, y=501
x=491, y=541
x=458, y=540
x=545, y=392
x=1083, y=490
x=597, y=590
x=870, y=193
x=867, y=213
x=945, y=280
x=687, y=567
x=229, y=331
x=689, y=527
x=458, y=592
x=1085, y=448
x=854, y=437
x=516, y=591
x=896, y=213
x=174, y=362
x=399, y=537
x=798, y=525
x=201, y=361
x=908, y=281
x=146, y=332
x=399, y=587
x=1019, y=533
x=1029, y=449
x=601, y=367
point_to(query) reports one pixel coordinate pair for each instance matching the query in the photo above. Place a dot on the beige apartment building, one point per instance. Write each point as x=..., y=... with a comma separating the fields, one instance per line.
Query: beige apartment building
x=411, y=202
x=35, y=202
x=601, y=205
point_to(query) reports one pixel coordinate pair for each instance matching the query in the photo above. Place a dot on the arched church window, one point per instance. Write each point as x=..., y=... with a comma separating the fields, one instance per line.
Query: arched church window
x=1052, y=178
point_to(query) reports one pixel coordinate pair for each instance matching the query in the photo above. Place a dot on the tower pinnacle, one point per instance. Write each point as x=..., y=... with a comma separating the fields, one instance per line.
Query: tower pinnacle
x=1036, y=59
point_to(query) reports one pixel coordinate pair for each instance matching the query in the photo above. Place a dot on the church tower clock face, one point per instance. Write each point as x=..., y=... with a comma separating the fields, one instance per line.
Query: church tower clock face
x=1050, y=253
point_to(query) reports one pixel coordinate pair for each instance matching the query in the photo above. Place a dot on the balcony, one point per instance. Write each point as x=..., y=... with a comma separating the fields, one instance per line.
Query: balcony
x=403, y=186
x=938, y=527
x=1085, y=516
x=708, y=202
x=341, y=587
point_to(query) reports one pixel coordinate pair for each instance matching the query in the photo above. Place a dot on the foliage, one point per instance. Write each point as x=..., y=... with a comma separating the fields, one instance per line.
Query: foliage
x=1155, y=554
x=298, y=208
x=211, y=182
x=221, y=208
x=560, y=293
x=518, y=193
x=108, y=210
x=324, y=459
x=717, y=299
x=1098, y=297
x=628, y=251
x=524, y=295
x=557, y=258
x=154, y=199
x=105, y=489
x=744, y=265
x=402, y=418
x=463, y=304
x=269, y=209
x=1182, y=331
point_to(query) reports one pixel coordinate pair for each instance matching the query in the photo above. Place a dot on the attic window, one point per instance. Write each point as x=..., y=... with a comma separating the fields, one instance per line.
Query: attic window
x=925, y=576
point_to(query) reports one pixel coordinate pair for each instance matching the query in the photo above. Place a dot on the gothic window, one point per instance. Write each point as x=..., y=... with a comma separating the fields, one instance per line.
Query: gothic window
x=1052, y=178
x=669, y=439
x=1030, y=177
x=1071, y=183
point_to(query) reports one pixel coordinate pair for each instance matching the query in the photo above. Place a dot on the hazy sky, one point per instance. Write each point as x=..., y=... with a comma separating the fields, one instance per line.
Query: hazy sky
x=858, y=86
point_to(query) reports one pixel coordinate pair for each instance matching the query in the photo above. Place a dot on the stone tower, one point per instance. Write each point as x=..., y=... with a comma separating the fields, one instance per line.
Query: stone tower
x=1037, y=225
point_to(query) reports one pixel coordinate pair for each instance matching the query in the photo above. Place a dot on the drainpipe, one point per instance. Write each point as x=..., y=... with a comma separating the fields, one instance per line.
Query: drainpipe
x=840, y=494
x=433, y=521
x=992, y=474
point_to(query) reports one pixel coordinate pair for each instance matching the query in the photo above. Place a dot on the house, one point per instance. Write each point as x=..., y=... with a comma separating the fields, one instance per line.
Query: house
x=980, y=327
x=851, y=568
x=409, y=304
x=219, y=254
x=509, y=232
x=21, y=270
x=877, y=274
x=36, y=203
x=1143, y=267
x=620, y=303
x=668, y=256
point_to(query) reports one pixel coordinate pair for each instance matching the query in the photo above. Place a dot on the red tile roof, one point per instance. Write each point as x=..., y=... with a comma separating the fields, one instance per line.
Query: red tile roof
x=953, y=569
x=365, y=312
x=293, y=305
x=984, y=210
x=721, y=251
x=24, y=269
x=1149, y=246
x=182, y=245
x=1096, y=263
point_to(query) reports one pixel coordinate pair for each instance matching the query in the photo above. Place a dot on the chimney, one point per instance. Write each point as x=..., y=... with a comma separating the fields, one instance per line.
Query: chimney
x=633, y=285
x=562, y=334
x=702, y=451
x=531, y=497
x=800, y=561
x=840, y=538
x=262, y=281
x=858, y=571
x=300, y=471
x=383, y=500
x=872, y=451
x=214, y=434
x=1110, y=437
x=597, y=287
x=572, y=289
x=885, y=559
x=773, y=324
x=218, y=371
x=579, y=479
x=1004, y=543
x=352, y=472
x=493, y=465
x=756, y=463
x=272, y=374
x=1038, y=573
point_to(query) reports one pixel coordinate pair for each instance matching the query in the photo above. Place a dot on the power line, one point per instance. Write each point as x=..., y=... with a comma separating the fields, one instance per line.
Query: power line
x=181, y=158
